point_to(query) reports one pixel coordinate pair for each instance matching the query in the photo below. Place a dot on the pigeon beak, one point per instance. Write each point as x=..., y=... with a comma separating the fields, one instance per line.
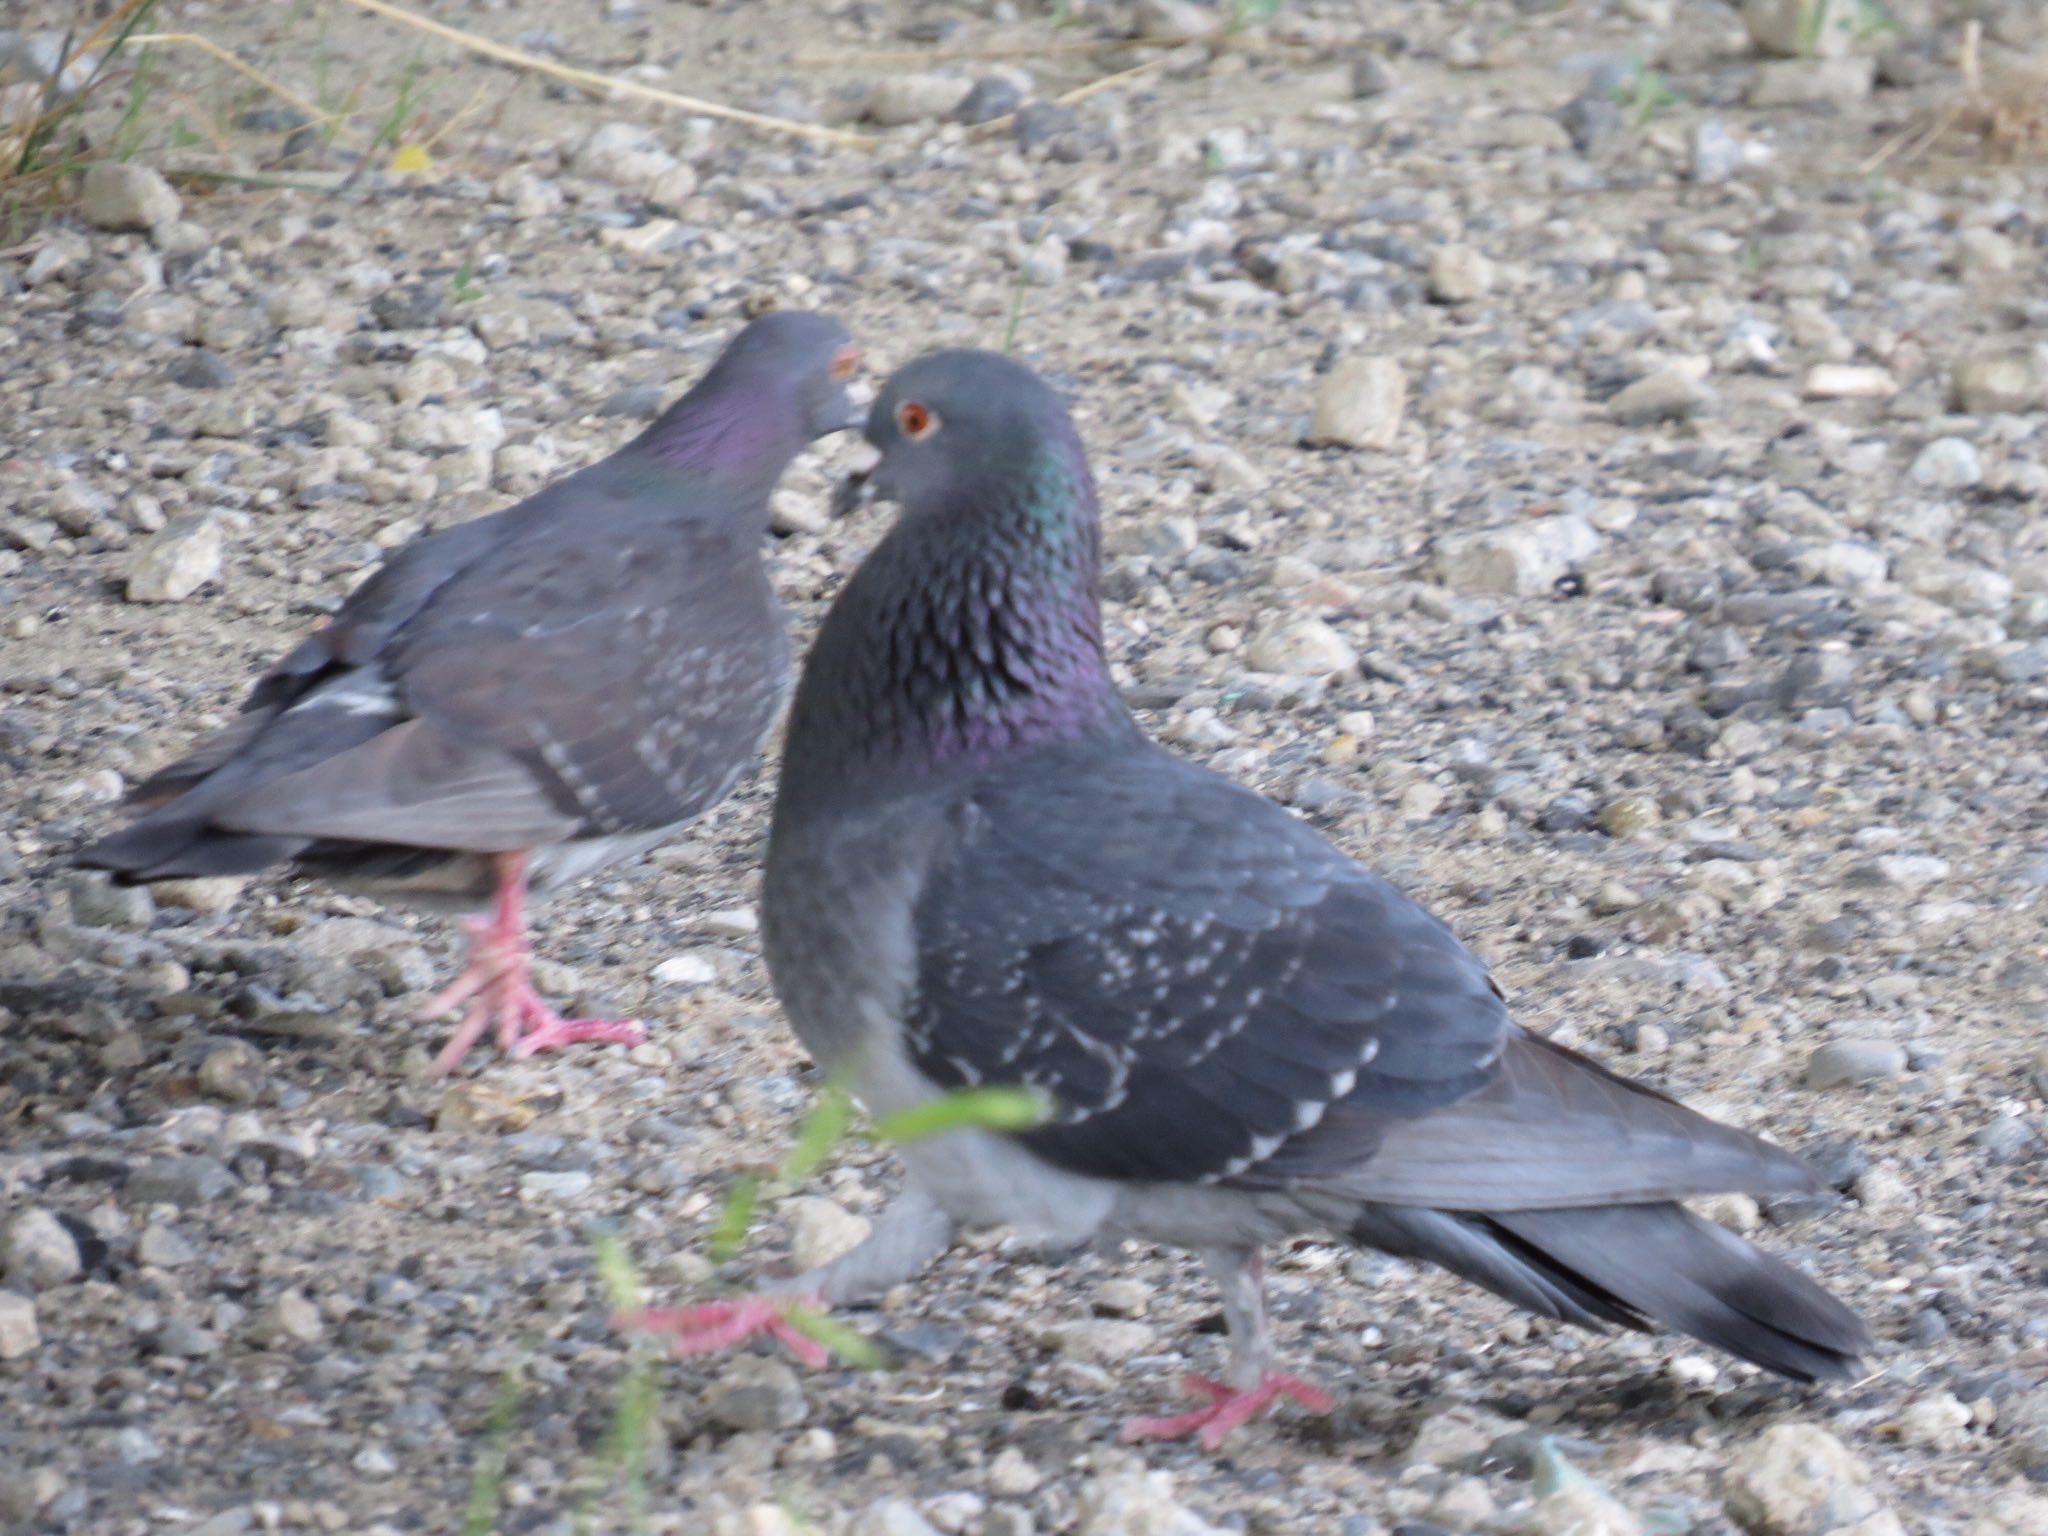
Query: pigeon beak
x=848, y=411
x=857, y=491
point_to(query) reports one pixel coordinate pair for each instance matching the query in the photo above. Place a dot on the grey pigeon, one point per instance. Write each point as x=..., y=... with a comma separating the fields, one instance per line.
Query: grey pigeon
x=511, y=703
x=981, y=872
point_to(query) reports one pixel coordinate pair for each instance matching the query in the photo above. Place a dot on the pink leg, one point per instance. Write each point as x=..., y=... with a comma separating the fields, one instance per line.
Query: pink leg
x=715, y=1326
x=494, y=986
x=1228, y=1408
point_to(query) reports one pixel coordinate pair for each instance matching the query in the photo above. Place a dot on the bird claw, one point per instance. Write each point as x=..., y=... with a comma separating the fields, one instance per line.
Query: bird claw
x=712, y=1326
x=552, y=1031
x=493, y=986
x=1228, y=1408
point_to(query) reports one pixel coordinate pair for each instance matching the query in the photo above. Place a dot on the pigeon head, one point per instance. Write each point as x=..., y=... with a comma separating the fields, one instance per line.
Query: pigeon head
x=779, y=384
x=973, y=632
x=967, y=430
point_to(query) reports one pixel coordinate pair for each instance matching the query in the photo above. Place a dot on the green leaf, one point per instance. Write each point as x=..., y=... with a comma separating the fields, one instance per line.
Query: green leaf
x=856, y=1349
x=486, y=1487
x=823, y=1129
x=615, y=1269
x=987, y=1109
x=736, y=1218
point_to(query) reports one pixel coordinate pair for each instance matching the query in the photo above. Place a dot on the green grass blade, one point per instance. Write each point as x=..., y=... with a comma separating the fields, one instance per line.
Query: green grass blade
x=987, y=1109
x=615, y=1271
x=736, y=1218
x=856, y=1349
x=487, y=1485
x=823, y=1129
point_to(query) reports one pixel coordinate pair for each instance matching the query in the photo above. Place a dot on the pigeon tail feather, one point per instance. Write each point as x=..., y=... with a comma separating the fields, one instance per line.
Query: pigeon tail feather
x=1672, y=1267
x=183, y=846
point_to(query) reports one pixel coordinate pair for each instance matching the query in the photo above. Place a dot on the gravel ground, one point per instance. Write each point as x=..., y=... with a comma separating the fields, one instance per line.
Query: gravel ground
x=1536, y=446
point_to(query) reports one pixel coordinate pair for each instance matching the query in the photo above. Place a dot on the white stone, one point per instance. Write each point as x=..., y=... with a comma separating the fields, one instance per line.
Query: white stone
x=1523, y=560
x=822, y=1230
x=1843, y=1062
x=686, y=970
x=1796, y=1479
x=1134, y=1502
x=19, y=1334
x=1847, y=563
x=1933, y=1419
x=1806, y=82
x=173, y=564
x=627, y=154
x=1301, y=647
x=1948, y=464
x=2000, y=381
x=126, y=196
x=37, y=1251
x=900, y=100
x=1790, y=29
x=891, y=1517
x=1459, y=274
x=1669, y=394
x=1359, y=404
x=1849, y=381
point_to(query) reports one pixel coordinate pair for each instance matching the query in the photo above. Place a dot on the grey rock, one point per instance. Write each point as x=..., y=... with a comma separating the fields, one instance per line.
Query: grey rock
x=2004, y=1138
x=1525, y=559
x=991, y=97
x=177, y=561
x=1814, y=679
x=1791, y=29
x=123, y=195
x=1301, y=647
x=99, y=903
x=640, y=402
x=37, y=1251
x=1593, y=119
x=2028, y=664
x=1947, y=464
x=1813, y=82
x=1359, y=403
x=200, y=368
x=1669, y=394
x=754, y=1393
x=1458, y=274
x=891, y=1517
x=19, y=1334
x=164, y=1247
x=181, y=1340
x=232, y=1072
x=410, y=306
x=1842, y=1062
x=181, y=1181
x=1716, y=153
x=901, y=100
x=1796, y=1479
x=2000, y=380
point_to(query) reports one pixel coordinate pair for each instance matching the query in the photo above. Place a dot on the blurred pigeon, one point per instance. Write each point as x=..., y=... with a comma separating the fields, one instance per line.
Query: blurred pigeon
x=514, y=702
x=980, y=872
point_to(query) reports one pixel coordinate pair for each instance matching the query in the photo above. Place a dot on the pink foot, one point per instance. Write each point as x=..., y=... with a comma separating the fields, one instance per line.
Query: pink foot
x=719, y=1325
x=494, y=988
x=1228, y=1408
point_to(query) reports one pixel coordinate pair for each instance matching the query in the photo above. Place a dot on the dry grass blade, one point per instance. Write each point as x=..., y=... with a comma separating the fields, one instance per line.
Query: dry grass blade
x=214, y=50
x=996, y=125
x=1068, y=49
x=2004, y=108
x=611, y=84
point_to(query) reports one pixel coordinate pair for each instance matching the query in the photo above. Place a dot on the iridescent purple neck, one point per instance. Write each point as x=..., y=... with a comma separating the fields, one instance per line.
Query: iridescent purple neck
x=971, y=636
x=730, y=430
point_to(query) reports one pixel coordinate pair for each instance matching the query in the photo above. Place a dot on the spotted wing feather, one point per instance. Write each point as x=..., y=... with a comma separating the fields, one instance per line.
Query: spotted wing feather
x=1190, y=975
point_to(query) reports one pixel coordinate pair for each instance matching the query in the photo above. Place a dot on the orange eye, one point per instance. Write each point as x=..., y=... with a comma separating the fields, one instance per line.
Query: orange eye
x=843, y=364
x=915, y=421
